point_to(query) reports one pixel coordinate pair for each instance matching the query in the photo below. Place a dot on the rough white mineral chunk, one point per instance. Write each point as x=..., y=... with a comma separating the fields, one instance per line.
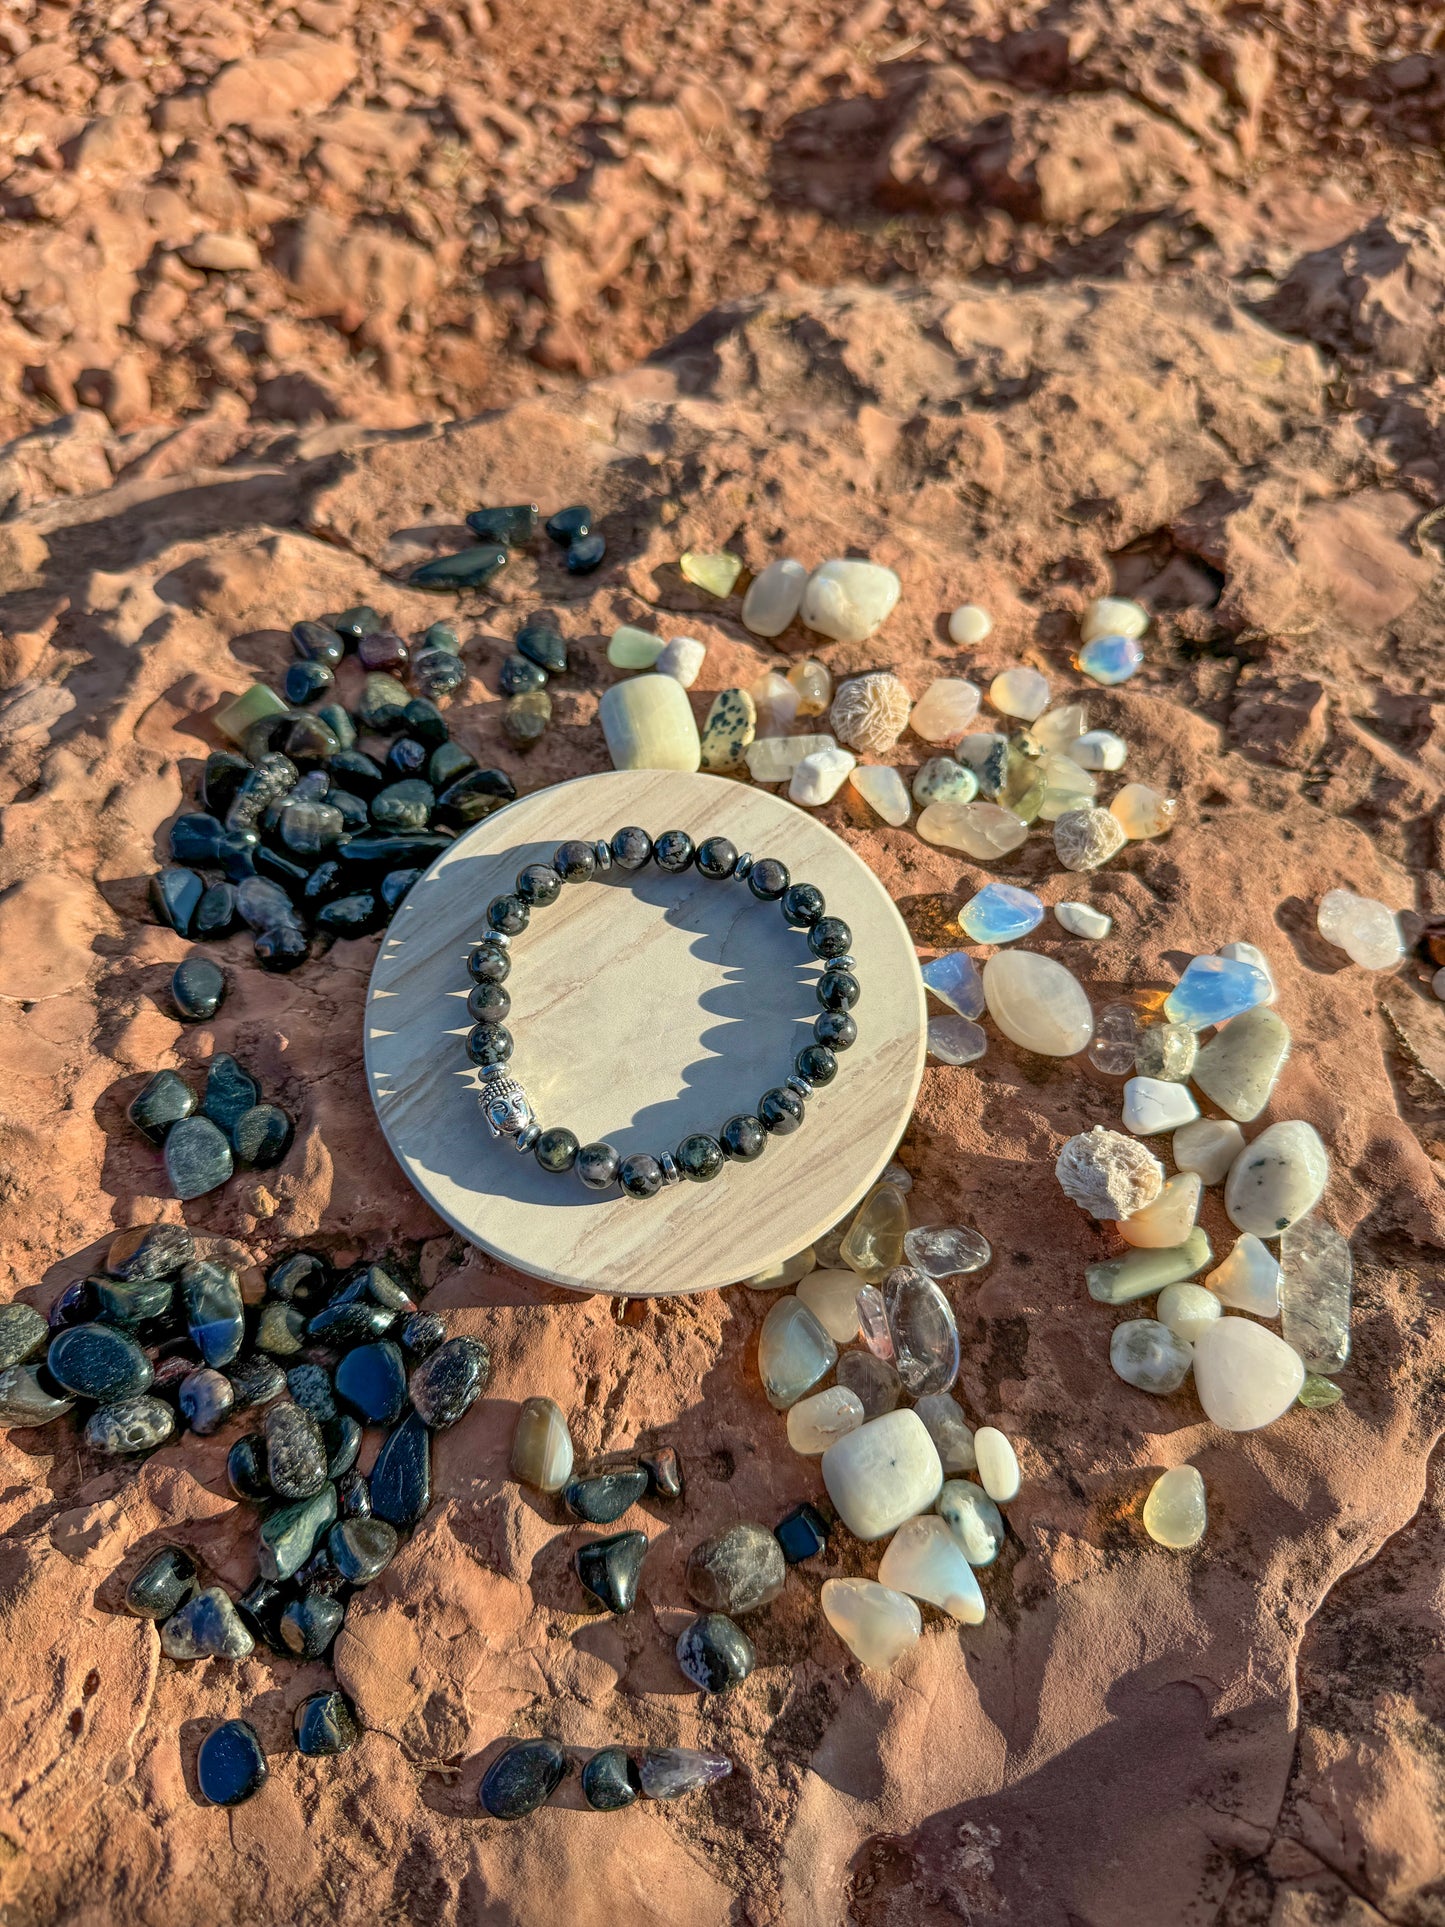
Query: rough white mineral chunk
x=1367, y=930
x=1245, y=1375
x=870, y=712
x=1107, y=1174
x=1086, y=839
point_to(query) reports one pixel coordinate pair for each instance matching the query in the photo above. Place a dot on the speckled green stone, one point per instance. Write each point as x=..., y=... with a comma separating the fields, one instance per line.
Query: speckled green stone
x=731, y=724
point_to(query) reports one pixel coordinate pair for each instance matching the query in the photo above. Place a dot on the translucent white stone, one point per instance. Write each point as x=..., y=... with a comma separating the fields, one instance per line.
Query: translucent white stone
x=922, y=1560
x=981, y=830
x=633, y=648
x=1176, y=1512
x=832, y=1297
x=648, y=724
x=949, y=1430
x=1119, y=1281
x=969, y=624
x=1020, y=692
x=1208, y=1146
x=820, y=776
x=883, y=790
x=542, y=1445
x=1099, y=749
x=924, y=1331
x=794, y=1352
x=1067, y=787
x=1107, y=1174
x=1057, y=730
x=1037, y=1003
x=1245, y=1375
x=776, y=702
x=1250, y=954
x=956, y=1040
x=954, y=980
x=998, y=1466
x=1000, y=913
x=814, y=685
x=847, y=600
x=1148, y=1356
x=883, y=1473
x=1187, y=1310
x=772, y=759
x=1316, y=1272
x=816, y=1423
x=946, y=1250
x=1367, y=930
x=774, y=597
x=1248, y=1280
x=1154, y=1104
x=1278, y=1178
x=898, y=1175
x=682, y=659
x=945, y=711
x=1238, y=1068
x=1116, y=1039
x=1112, y=615
x=1169, y=1219
x=786, y=1273
x=974, y=1520
x=1083, y=920
x=942, y=780
x=1086, y=839
x=1143, y=812
x=876, y=1624
x=873, y=1244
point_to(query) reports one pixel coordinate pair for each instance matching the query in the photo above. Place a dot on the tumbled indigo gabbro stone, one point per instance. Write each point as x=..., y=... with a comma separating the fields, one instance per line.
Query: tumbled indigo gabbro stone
x=522, y=1779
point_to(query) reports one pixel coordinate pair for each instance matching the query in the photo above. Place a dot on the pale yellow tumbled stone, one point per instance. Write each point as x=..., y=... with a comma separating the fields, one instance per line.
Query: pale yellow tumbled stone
x=885, y=1472
x=1020, y=692
x=816, y=1423
x=1176, y=1511
x=717, y=573
x=1037, y=1003
x=772, y=759
x=1109, y=615
x=981, y=830
x=775, y=701
x=998, y=1466
x=633, y=648
x=787, y=1273
x=773, y=598
x=1245, y=1375
x=923, y=1560
x=542, y=1446
x=969, y=624
x=649, y=724
x=1169, y=1219
x=1067, y=786
x=1188, y=1310
x=832, y=1297
x=847, y=599
x=1143, y=812
x=874, y=1241
x=945, y=711
x=1057, y=728
x=814, y=685
x=876, y=1624
x=1208, y=1146
x=883, y=790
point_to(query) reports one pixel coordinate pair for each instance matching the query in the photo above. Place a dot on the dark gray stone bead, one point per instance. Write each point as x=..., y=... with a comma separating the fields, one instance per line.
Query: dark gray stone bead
x=198, y=1158
x=371, y=1380
x=361, y=1548
x=609, y=1568
x=522, y=1779
x=610, y=1780
x=309, y=1624
x=163, y=1100
x=163, y=1585
x=736, y=1571
x=601, y=1497
x=714, y=1653
x=197, y=987
x=262, y=1136
x=289, y=1534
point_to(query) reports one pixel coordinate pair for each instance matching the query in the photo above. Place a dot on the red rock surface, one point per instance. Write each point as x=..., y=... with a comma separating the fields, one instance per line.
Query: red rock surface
x=1246, y=1735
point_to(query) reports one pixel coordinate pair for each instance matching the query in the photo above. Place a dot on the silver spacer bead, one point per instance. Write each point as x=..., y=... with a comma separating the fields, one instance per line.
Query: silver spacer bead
x=742, y=867
x=490, y=1073
x=524, y=1140
x=603, y=851
x=801, y=1086
x=839, y=963
x=670, y=1172
x=498, y=937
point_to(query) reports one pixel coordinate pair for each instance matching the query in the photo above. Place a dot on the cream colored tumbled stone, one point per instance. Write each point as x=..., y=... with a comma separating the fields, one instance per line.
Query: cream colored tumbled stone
x=880, y=1475
x=1020, y=692
x=883, y=790
x=1278, y=1178
x=1099, y=749
x=969, y=624
x=820, y=776
x=1238, y=1068
x=981, y=830
x=816, y=1423
x=1143, y=812
x=542, y=1445
x=1083, y=920
x=1208, y=1146
x=848, y=599
x=794, y=1352
x=732, y=723
x=1112, y=615
x=923, y=1560
x=945, y=711
x=869, y=713
x=633, y=648
x=786, y=1273
x=1245, y=1375
x=1187, y=1310
x=682, y=659
x=1037, y=1003
x=1367, y=930
x=772, y=759
x=1248, y=1280
x=814, y=685
x=648, y=724
x=776, y=703
x=1067, y=787
x=832, y=1297
x=1169, y=1219
x=1154, y=1104
x=876, y=1624
x=998, y=1466
x=973, y=1519
x=1057, y=730
x=774, y=597
x=1176, y=1512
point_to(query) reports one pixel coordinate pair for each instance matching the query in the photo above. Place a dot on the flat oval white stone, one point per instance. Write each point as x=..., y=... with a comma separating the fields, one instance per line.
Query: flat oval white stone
x=1112, y=615
x=875, y=1623
x=981, y=830
x=1277, y=1179
x=848, y=599
x=970, y=623
x=820, y=776
x=945, y=711
x=880, y=1475
x=883, y=790
x=1248, y=1280
x=774, y=597
x=1154, y=1104
x=1187, y=1310
x=1208, y=1146
x=922, y=1560
x=649, y=724
x=1020, y=692
x=1238, y=1068
x=1245, y=1375
x=1037, y=1003
x=998, y=1466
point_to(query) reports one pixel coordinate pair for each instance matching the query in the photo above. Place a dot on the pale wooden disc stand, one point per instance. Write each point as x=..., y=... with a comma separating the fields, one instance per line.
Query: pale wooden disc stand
x=644, y=1006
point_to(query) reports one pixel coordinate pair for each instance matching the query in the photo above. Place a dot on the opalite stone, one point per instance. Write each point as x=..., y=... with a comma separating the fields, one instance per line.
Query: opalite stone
x=880, y=1475
x=1187, y=1310
x=819, y=777
x=1167, y=1051
x=682, y=659
x=946, y=1250
x=942, y=780
x=1214, y=989
x=717, y=573
x=1277, y=1179
x=1037, y=1003
x=969, y=624
x=883, y=790
x=1316, y=1273
x=1169, y=1219
x=816, y=1423
x=1116, y=1038
x=1317, y=1394
x=998, y=1466
x=1175, y=1513
x=1153, y=1104
x=956, y=1040
x=1249, y=953
x=874, y=1243
x=875, y=1623
x=788, y=1272
x=1110, y=615
x=1367, y=930
x=1099, y=749
x=542, y=1446
x=954, y=980
x=848, y=599
x=870, y=712
x=777, y=703
x=814, y=685
x=1119, y=1281
x=1148, y=1356
x=1057, y=730
x=1067, y=787
x=1020, y=692
x=633, y=648
x=648, y=724
x=1245, y=1375
x=774, y=597
x=731, y=724
x=1248, y=1280
x=1000, y=913
x=923, y=1560
x=872, y=1378
x=1142, y=812
x=1208, y=1147
x=794, y=1352
x=1238, y=1069
x=772, y=759
x=981, y=830
x=973, y=1519
x=950, y=1431
x=1111, y=659
x=1086, y=839
x=832, y=1297
x=924, y=1331
x=874, y=1330
x=946, y=710
x=1083, y=920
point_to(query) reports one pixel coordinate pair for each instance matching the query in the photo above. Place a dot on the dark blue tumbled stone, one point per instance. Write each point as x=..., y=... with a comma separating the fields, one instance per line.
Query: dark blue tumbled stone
x=446, y=763
x=132, y=1301
x=339, y=722
x=229, y=1091
x=307, y=680
x=215, y=1314
x=468, y=569
x=407, y=757
x=309, y=1625
x=802, y=1533
x=355, y=816
x=163, y=1585
x=246, y=1470
x=371, y=1379
x=585, y=555
x=198, y=1158
x=215, y=913
x=610, y=1780
x=197, y=987
x=325, y=1724
x=259, y=1610
x=382, y=853
x=522, y=1779
x=512, y=525
x=175, y=894
x=230, y=1765
x=343, y=1444
x=205, y=1400
x=570, y=524
x=394, y=886
x=282, y=947
x=76, y=1305
x=97, y=1361
x=262, y=1136
x=422, y=1333
x=601, y=1497
x=196, y=838
x=311, y=1388
x=317, y=642
x=437, y=672
x=163, y=1100
x=401, y=1477
x=350, y=916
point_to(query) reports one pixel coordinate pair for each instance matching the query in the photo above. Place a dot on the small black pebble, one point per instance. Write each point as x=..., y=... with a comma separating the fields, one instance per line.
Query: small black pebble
x=229, y=1092
x=307, y=681
x=585, y=555
x=353, y=1496
x=163, y=1100
x=371, y=1380
x=259, y=1610
x=468, y=569
x=715, y=1653
x=569, y=523
x=664, y=1472
x=309, y=1625
x=262, y=1136
x=540, y=643
x=609, y=1780
x=422, y=1333
x=509, y=525
x=609, y=1568
x=601, y=1497
x=325, y=1723
x=303, y=1280
x=361, y=1548
x=230, y=1765
x=163, y=1584
x=246, y=1470
x=256, y=1380
x=197, y=987
x=518, y=676
x=802, y=1533
x=449, y=1382
x=522, y=1779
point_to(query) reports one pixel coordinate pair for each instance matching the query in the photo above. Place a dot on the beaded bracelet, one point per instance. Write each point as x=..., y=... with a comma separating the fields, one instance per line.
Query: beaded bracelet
x=700, y=1157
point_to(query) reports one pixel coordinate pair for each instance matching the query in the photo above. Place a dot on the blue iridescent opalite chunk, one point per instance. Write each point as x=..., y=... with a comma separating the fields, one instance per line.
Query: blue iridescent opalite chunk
x=1214, y=989
x=955, y=981
x=1111, y=659
x=1000, y=913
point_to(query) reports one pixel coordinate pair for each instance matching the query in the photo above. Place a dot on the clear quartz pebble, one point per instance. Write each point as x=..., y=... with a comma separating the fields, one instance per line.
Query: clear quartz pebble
x=1214, y=989
x=969, y=625
x=946, y=1250
x=1083, y=920
x=1176, y=1512
x=1208, y=1147
x=1110, y=615
x=956, y=1040
x=873, y=1379
x=1116, y=1038
x=847, y=600
x=1099, y=749
x=974, y=1520
x=954, y=979
x=774, y=597
x=1188, y=1310
x=945, y=711
x=1142, y=812
x=832, y=1297
x=814, y=685
x=1000, y=913
x=1367, y=930
x=772, y=759
x=1167, y=1051
x=1148, y=1356
x=1037, y=1003
x=1278, y=1178
x=898, y=1175
x=923, y=1560
x=665, y=1772
x=1238, y=1068
x=874, y=1244
x=1245, y=1375
x=883, y=790
x=1152, y=1104
x=1248, y=1280
x=819, y=777
x=949, y=1429
x=883, y=1473
x=1020, y=692
x=981, y=830
x=815, y=1423
x=873, y=1321
x=542, y=1446
x=1057, y=730
x=777, y=702
x=942, y=780
x=1316, y=1275
x=998, y=1465
x=925, y=1332
x=1068, y=786
x=794, y=1352
x=876, y=1624
x=1119, y=1281
x=1167, y=1220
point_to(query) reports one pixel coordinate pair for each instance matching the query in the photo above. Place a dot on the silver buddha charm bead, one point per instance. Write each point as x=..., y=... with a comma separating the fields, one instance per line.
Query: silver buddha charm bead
x=602, y=850
x=801, y=1086
x=504, y=1104
x=670, y=1172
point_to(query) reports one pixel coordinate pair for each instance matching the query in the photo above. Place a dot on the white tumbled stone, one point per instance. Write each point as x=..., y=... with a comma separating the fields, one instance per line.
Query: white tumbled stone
x=875, y=1623
x=682, y=659
x=998, y=1466
x=883, y=790
x=1154, y=1104
x=1248, y=1280
x=945, y=711
x=1188, y=1310
x=774, y=597
x=970, y=623
x=1083, y=920
x=981, y=830
x=1238, y=1068
x=1245, y=1375
x=880, y=1475
x=1208, y=1146
x=773, y=759
x=1367, y=930
x=817, y=1422
x=1112, y=615
x=1059, y=729
x=848, y=599
x=1020, y=692
x=923, y=1560
x=1099, y=749
x=974, y=1520
x=820, y=776
x=1278, y=1178
x=1037, y=1003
